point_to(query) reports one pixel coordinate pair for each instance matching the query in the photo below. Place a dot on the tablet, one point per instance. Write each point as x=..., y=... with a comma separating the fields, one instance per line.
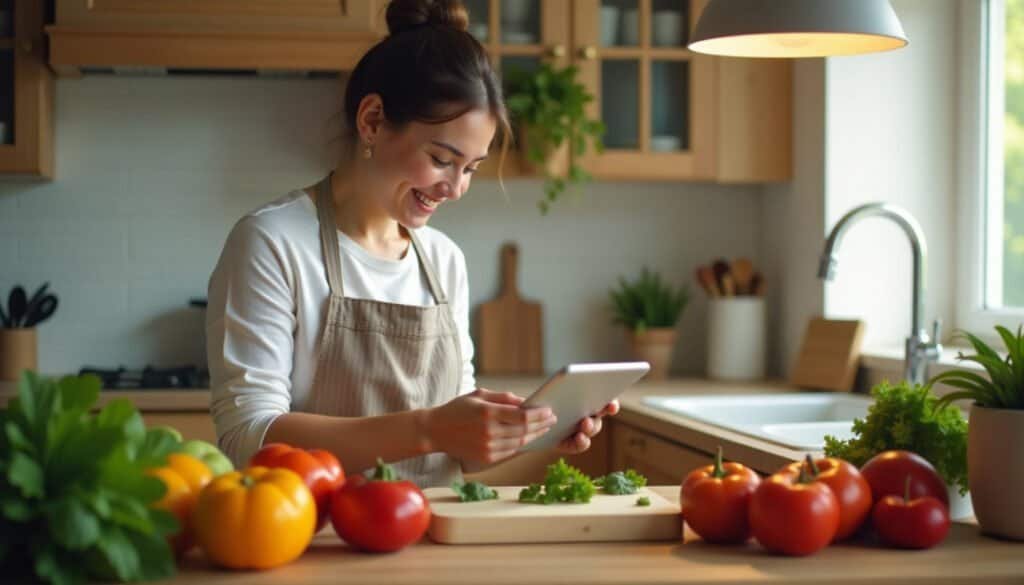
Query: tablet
x=577, y=391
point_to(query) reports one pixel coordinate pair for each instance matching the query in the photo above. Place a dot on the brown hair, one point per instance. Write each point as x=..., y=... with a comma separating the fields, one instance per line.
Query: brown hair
x=428, y=69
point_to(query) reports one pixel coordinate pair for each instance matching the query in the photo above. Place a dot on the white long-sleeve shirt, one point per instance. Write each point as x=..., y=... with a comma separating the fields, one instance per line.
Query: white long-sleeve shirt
x=266, y=303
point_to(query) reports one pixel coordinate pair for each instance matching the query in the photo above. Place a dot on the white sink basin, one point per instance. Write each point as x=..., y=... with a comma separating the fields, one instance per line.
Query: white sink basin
x=798, y=421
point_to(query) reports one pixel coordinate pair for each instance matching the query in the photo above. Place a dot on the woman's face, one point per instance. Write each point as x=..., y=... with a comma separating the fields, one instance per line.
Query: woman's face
x=429, y=165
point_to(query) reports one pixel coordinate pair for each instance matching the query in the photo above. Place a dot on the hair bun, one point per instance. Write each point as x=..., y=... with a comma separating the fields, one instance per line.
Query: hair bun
x=403, y=15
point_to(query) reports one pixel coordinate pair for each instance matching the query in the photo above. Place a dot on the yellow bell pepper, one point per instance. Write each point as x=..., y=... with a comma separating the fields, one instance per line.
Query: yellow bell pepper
x=258, y=518
x=185, y=476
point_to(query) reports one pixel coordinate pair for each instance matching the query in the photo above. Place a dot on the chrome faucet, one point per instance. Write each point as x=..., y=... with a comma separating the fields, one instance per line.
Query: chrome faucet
x=920, y=349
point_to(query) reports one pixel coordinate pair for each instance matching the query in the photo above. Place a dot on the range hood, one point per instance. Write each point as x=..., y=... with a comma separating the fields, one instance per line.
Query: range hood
x=211, y=35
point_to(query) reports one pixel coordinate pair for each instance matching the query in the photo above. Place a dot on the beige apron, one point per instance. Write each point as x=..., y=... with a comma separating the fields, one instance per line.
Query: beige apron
x=377, y=358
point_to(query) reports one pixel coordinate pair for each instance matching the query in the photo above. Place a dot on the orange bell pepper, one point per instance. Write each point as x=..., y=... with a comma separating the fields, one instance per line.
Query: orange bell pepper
x=258, y=518
x=185, y=476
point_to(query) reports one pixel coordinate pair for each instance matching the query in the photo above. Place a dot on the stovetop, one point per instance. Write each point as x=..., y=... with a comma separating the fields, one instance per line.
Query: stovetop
x=184, y=377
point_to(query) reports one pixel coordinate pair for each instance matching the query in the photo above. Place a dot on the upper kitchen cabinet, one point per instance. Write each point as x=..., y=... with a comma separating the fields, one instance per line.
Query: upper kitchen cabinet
x=26, y=91
x=214, y=34
x=672, y=114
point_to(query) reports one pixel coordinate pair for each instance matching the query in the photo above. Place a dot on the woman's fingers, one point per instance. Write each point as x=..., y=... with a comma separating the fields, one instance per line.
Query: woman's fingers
x=498, y=430
x=577, y=443
x=499, y=397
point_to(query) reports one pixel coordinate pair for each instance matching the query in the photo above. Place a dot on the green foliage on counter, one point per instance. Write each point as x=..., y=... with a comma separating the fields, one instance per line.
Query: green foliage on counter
x=1005, y=386
x=563, y=483
x=910, y=418
x=648, y=302
x=474, y=491
x=74, y=501
x=620, y=483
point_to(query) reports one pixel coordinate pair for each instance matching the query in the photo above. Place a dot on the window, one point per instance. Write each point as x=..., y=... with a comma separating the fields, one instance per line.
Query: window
x=991, y=280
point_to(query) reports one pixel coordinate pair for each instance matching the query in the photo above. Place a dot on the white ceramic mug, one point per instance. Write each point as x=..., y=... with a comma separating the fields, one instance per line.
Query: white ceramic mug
x=736, y=338
x=609, y=26
x=667, y=28
x=630, y=33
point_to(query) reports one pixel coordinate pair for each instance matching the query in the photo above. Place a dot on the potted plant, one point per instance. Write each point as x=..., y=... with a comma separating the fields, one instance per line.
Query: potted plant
x=995, y=431
x=548, y=107
x=650, y=309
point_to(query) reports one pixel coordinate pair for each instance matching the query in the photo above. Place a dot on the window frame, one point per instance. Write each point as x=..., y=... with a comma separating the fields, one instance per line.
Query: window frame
x=981, y=176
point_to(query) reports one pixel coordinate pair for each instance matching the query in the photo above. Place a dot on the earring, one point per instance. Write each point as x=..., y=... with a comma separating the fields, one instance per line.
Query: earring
x=368, y=151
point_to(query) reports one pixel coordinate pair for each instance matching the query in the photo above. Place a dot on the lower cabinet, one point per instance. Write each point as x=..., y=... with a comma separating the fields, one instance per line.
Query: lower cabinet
x=663, y=462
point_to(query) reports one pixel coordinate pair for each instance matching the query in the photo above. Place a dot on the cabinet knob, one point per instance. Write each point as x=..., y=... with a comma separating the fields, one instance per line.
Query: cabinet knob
x=557, y=51
x=588, y=52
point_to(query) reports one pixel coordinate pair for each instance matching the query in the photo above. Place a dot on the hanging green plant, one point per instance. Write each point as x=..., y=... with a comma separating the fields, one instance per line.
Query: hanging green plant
x=548, y=106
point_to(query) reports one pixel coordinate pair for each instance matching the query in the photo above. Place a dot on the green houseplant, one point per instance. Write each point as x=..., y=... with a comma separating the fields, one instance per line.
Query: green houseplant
x=548, y=106
x=995, y=431
x=649, y=309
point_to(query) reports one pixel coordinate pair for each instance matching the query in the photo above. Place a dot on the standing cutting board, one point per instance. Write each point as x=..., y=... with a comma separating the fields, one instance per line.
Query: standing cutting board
x=510, y=327
x=505, y=520
x=830, y=355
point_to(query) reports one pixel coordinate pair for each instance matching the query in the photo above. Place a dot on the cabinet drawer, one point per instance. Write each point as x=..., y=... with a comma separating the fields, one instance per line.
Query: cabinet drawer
x=662, y=462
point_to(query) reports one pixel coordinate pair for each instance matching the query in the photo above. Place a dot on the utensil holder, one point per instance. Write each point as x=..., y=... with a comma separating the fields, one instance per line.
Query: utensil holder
x=736, y=338
x=18, y=351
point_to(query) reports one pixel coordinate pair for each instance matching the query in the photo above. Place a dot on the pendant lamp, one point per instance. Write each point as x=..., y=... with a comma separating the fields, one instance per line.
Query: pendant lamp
x=797, y=28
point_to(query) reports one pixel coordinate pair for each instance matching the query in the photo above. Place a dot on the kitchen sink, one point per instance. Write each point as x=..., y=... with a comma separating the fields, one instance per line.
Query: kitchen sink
x=797, y=421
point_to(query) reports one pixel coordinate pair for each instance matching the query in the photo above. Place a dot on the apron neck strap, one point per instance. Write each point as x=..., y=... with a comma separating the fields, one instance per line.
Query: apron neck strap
x=332, y=255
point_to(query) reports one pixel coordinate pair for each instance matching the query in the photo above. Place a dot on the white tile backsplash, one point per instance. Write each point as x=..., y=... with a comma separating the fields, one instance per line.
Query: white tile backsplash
x=153, y=172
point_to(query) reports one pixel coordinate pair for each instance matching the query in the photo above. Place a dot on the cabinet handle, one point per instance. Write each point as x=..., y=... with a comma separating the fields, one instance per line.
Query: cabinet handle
x=558, y=51
x=588, y=53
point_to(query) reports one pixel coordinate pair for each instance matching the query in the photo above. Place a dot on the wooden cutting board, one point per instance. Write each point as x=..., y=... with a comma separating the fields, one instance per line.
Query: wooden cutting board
x=509, y=327
x=505, y=520
x=830, y=355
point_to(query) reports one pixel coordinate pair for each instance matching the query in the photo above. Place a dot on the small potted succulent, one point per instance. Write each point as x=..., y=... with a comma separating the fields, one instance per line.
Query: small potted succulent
x=548, y=107
x=650, y=309
x=995, y=431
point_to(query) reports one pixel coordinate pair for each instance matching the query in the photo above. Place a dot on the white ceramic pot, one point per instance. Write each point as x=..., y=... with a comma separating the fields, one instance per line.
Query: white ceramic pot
x=995, y=470
x=736, y=338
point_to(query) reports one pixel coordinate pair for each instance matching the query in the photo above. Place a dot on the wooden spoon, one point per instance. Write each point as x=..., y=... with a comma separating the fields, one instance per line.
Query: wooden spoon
x=743, y=273
x=757, y=285
x=706, y=278
x=720, y=268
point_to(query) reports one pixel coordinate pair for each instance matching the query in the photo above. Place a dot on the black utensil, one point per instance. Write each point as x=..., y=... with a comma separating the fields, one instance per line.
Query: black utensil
x=42, y=311
x=16, y=305
x=33, y=302
x=4, y=322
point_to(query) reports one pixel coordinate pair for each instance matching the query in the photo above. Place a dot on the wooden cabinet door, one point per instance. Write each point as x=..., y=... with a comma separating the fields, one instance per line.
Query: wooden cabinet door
x=26, y=93
x=235, y=15
x=662, y=462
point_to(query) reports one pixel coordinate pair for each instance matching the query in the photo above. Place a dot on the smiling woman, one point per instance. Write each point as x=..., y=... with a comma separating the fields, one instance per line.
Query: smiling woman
x=337, y=318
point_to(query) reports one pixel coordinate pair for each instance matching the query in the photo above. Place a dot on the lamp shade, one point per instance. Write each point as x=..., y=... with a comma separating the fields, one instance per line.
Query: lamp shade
x=797, y=28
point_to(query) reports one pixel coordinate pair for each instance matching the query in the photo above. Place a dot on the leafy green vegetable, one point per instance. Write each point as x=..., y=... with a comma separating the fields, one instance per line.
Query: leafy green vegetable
x=618, y=483
x=1005, y=386
x=643, y=501
x=562, y=483
x=474, y=491
x=909, y=418
x=74, y=501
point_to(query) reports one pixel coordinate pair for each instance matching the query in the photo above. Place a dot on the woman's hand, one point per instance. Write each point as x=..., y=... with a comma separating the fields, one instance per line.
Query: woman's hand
x=588, y=428
x=484, y=427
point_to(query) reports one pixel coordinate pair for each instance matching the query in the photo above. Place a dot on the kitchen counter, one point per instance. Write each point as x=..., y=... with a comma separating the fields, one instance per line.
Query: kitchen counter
x=762, y=455
x=965, y=557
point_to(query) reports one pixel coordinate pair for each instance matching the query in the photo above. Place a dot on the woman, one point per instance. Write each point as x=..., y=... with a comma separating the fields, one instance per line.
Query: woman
x=328, y=319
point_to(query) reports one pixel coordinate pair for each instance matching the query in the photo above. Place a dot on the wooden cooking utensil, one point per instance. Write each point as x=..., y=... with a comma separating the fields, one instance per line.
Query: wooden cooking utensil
x=728, y=286
x=757, y=284
x=742, y=272
x=510, y=327
x=706, y=278
x=720, y=267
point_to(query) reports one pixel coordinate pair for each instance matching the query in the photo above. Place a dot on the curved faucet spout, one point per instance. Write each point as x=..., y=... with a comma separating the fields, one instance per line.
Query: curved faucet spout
x=917, y=244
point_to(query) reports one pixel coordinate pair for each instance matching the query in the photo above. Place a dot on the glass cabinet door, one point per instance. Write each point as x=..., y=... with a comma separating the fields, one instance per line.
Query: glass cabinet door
x=520, y=34
x=633, y=56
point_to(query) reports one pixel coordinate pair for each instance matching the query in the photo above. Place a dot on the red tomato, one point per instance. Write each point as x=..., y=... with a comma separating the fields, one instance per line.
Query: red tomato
x=715, y=500
x=911, y=523
x=848, y=486
x=382, y=514
x=793, y=516
x=319, y=470
x=887, y=473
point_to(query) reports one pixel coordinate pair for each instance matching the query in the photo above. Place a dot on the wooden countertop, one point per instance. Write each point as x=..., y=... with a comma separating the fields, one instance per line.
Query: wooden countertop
x=965, y=557
x=762, y=455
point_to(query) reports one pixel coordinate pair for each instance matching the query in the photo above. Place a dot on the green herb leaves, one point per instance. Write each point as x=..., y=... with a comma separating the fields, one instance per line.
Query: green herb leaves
x=1005, y=386
x=474, y=491
x=648, y=302
x=74, y=501
x=562, y=483
x=620, y=483
x=909, y=418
